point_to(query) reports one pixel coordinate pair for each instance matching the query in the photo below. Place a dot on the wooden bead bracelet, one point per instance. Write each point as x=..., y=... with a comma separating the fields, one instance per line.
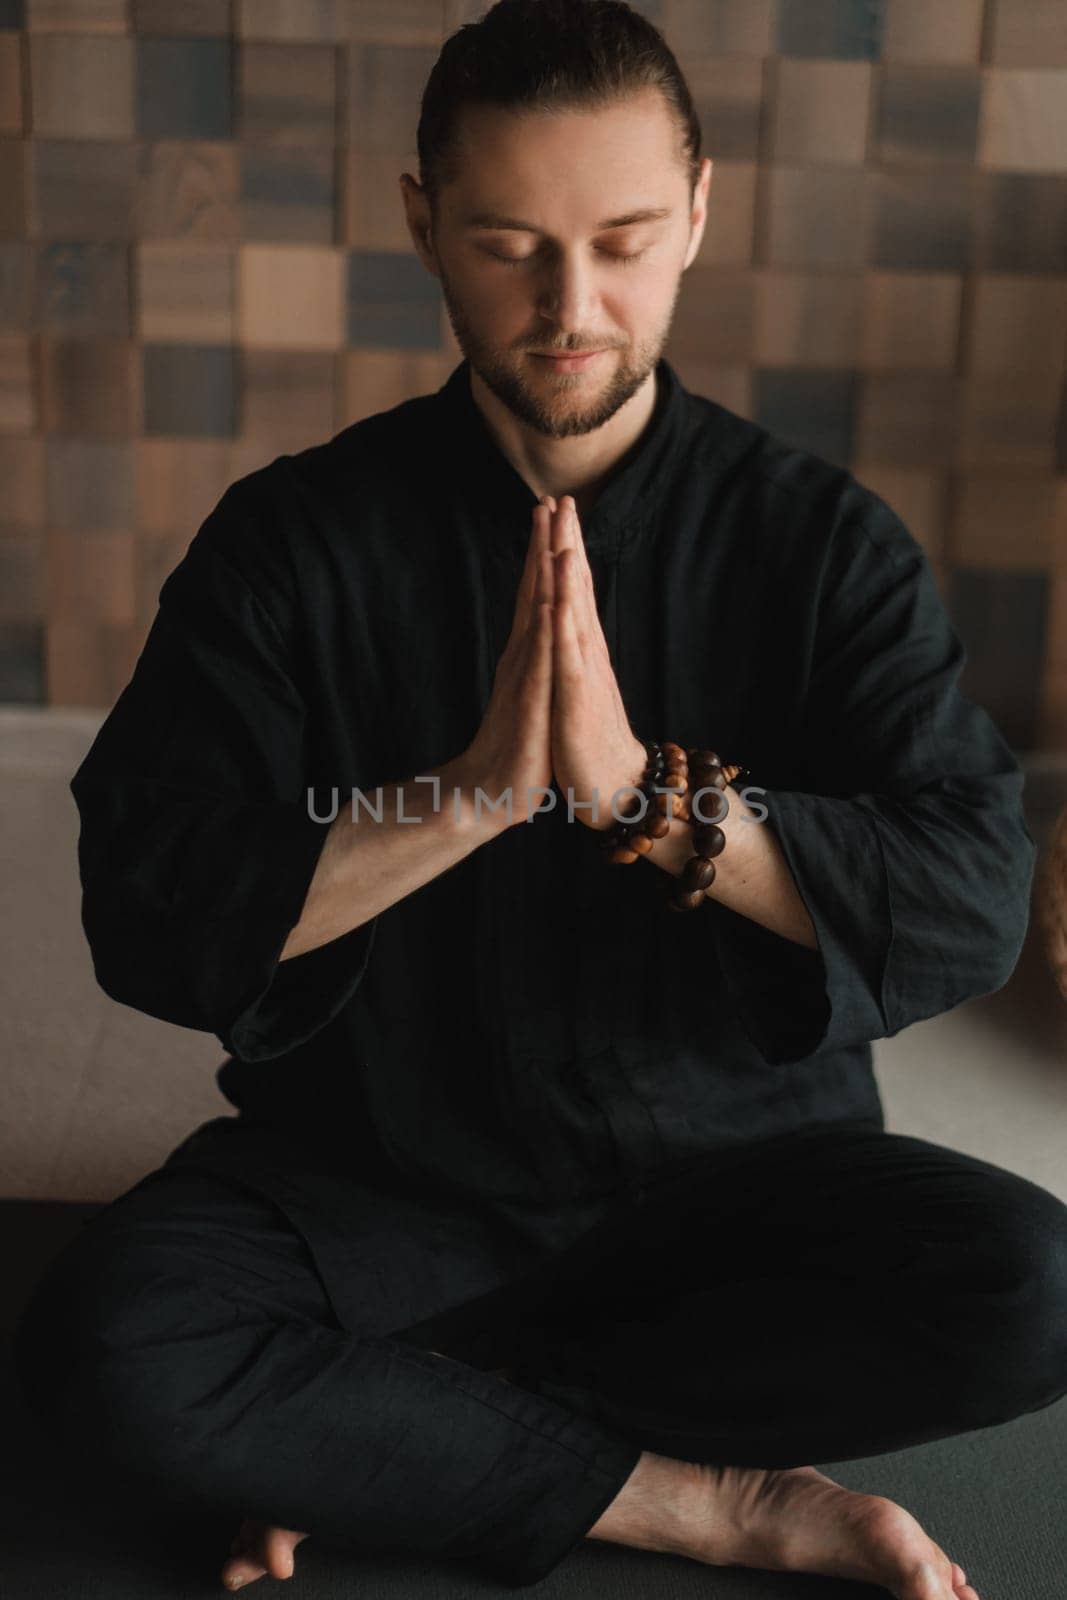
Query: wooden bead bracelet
x=678, y=774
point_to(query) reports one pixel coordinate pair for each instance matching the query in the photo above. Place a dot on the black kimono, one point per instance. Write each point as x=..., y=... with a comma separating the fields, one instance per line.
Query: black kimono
x=460, y=1089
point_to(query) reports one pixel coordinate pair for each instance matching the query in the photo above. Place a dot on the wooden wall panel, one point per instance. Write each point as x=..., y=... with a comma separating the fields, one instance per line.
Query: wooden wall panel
x=204, y=261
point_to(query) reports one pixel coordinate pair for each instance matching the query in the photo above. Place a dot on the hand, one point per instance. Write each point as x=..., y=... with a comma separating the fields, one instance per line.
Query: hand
x=593, y=745
x=510, y=753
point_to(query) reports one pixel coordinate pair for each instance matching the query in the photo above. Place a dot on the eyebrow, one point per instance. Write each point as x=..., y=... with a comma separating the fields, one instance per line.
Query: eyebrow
x=490, y=219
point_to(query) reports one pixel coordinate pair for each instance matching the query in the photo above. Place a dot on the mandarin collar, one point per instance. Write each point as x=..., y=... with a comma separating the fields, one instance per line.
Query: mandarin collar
x=502, y=501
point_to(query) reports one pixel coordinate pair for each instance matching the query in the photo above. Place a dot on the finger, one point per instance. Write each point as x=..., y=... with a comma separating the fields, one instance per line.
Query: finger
x=539, y=541
x=567, y=664
x=584, y=595
x=568, y=592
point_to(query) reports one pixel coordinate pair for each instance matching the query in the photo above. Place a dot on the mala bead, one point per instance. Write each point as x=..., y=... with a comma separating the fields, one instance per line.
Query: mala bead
x=673, y=776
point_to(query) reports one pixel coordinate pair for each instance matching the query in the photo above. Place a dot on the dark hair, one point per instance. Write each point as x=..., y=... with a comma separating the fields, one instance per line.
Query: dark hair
x=534, y=54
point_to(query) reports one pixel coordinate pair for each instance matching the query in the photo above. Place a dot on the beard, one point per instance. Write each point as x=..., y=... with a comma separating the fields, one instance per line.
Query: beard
x=556, y=410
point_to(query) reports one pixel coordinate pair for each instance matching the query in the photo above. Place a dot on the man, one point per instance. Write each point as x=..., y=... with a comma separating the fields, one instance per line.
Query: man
x=550, y=1213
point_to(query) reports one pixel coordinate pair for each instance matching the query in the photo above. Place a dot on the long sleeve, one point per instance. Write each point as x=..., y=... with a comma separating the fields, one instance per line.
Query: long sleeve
x=906, y=836
x=197, y=845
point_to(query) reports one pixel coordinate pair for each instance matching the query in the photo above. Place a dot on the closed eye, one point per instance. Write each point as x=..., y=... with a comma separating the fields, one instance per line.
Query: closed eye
x=613, y=255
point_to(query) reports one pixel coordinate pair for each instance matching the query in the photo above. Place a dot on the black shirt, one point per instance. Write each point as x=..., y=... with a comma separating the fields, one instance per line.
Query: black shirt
x=534, y=1028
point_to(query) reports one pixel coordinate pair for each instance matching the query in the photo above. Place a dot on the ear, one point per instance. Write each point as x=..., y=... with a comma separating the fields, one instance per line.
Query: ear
x=699, y=214
x=417, y=213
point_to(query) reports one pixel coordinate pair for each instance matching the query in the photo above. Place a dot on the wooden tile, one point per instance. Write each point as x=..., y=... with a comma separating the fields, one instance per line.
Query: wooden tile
x=384, y=85
x=184, y=88
x=294, y=21
x=89, y=577
x=808, y=319
x=1018, y=323
x=392, y=300
x=10, y=84
x=1009, y=419
x=192, y=16
x=1024, y=120
x=81, y=86
x=377, y=380
x=84, y=189
x=178, y=481
x=371, y=206
x=288, y=194
x=291, y=297
x=17, y=400
x=90, y=663
x=289, y=396
x=716, y=313
x=908, y=419
x=728, y=94
x=22, y=676
x=915, y=30
x=1028, y=33
x=732, y=387
x=920, y=498
x=189, y=389
x=927, y=116
x=288, y=93
x=719, y=27
x=843, y=29
x=407, y=22
x=188, y=191
x=809, y=410
x=818, y=217
x=185, y=292
x=84, y=289
x=12, y=188
x=331, y=21
x=17, y=287
x=1059, y=550
x=1020, y=223
x=911, y=320
x=89, y=485
x=21, y=576
x=88, y=386
x=730, y=228
x=22, y=475
x=1003, y=519
x=922, y=221
x=820, y=112
x=1001, y=617
x=77, y=16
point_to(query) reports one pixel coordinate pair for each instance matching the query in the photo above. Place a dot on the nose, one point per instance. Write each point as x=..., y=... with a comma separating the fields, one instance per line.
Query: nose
x=568, y=297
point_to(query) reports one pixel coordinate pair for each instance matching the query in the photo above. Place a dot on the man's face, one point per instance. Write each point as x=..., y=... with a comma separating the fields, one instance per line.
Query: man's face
x=564, y=281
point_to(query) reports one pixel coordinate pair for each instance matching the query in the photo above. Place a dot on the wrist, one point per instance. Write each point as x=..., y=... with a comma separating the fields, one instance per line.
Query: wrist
x=467, y=799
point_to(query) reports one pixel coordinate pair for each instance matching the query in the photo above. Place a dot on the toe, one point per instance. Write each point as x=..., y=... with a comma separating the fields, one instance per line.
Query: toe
x=240, y=1570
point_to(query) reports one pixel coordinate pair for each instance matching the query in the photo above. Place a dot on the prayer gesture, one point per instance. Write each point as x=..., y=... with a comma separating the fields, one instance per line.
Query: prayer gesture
x=593, y=745
x=555, y=710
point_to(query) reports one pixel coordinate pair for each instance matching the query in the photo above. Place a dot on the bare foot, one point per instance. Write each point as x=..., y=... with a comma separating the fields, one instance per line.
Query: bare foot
x=258, y=1549
x=789, y=1520
x=799, y=1520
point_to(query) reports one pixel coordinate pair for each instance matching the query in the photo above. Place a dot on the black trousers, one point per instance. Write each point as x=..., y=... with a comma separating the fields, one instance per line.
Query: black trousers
x=836, y=1294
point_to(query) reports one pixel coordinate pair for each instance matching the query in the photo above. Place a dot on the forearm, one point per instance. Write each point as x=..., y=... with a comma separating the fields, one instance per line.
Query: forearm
x=752, y=875
x=367, y=865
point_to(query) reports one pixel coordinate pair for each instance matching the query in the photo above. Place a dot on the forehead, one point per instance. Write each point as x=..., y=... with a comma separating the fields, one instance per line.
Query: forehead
x=592, y=165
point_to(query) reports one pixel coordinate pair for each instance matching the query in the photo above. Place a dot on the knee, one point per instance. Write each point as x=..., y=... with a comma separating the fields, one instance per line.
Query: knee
x=105, y=1355
x=1018, y=1305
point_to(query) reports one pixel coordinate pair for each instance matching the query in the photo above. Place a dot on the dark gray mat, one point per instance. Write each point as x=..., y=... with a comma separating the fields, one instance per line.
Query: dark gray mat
x=994, y=1499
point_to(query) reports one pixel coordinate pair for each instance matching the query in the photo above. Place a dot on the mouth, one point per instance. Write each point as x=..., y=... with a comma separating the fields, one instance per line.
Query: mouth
x=569, y=363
